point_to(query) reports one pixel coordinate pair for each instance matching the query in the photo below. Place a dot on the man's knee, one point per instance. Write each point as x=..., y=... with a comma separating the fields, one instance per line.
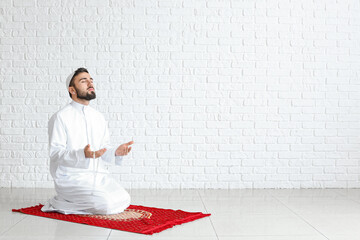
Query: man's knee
x=112, y=205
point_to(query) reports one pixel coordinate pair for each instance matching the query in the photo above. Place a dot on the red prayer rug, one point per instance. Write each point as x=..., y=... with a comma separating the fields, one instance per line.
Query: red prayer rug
x=137, y=219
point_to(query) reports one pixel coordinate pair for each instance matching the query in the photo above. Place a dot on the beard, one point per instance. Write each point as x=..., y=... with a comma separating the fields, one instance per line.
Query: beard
x=85, y=95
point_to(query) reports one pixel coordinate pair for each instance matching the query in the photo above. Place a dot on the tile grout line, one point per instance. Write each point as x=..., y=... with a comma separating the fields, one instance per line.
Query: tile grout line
x=13, y=226
x=299, y=216
x=109, y=234
x=217, y=237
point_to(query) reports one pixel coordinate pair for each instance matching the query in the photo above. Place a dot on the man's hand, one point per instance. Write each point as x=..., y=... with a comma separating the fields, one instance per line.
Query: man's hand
x=90, y=154
x=123, y=149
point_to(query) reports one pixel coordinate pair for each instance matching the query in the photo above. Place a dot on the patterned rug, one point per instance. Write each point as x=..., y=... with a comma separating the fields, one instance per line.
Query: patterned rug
x=137, y=219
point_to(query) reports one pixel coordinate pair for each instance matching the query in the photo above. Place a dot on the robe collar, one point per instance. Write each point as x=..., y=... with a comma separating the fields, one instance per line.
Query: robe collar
x=79, y=106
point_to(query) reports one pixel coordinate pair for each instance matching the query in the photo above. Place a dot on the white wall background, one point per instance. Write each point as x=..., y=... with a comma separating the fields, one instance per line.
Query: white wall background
x=215, y=94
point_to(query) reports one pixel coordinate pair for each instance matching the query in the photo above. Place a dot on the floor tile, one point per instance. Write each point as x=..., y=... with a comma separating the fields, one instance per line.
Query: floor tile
x=7, y=206
x=343, y=237
x=289, y=237
x=42, y=227
x=246, y=205
x=316, y=205
x=261, y=225
x=352, y=194
x=159, y=236
x=303, y=193
x=60, y=237
x=220, y=194
x=8, y=220
x=335, y=224
x=25, y=194
x=197, y=229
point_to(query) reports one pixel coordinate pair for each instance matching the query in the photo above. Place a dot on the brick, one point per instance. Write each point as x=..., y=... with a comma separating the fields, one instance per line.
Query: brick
x=24, y=3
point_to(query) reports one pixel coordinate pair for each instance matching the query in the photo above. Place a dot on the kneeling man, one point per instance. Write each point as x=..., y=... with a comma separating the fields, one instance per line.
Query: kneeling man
x=82, y=183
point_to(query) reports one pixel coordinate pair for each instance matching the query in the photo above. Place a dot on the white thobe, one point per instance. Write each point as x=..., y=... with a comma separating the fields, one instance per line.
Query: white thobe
x=83, y=185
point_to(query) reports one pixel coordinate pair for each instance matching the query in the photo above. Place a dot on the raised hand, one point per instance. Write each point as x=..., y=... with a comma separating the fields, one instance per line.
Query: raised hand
x=90, y=154
x=123, y=149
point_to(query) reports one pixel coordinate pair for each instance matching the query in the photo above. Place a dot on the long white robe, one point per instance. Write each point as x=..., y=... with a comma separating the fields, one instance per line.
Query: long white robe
x=83, y=185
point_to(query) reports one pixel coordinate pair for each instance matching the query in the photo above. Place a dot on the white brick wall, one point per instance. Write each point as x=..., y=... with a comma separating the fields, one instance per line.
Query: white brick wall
x=215, y=94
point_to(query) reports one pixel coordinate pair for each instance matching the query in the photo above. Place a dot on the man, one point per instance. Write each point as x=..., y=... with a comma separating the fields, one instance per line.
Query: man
x=79, y=145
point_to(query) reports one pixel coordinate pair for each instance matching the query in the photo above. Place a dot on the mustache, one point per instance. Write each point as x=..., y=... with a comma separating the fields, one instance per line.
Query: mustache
x=91, y=87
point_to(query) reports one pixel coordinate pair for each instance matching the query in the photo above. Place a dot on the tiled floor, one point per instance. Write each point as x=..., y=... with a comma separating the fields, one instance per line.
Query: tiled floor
x=308, y=214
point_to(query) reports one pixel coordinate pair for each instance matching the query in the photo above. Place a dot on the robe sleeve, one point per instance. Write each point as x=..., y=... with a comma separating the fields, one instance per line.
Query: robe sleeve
x=109, y=155
x=59, y=155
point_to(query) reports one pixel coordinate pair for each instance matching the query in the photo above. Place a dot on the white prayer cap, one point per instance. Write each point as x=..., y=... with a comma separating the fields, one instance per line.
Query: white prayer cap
x=68, y=80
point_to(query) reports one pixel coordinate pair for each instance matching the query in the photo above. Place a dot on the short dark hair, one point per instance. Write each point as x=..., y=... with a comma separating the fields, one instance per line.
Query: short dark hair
x=77, y=72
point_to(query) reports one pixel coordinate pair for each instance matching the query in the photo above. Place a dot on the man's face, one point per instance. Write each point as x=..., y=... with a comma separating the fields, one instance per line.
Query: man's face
x=84, y=86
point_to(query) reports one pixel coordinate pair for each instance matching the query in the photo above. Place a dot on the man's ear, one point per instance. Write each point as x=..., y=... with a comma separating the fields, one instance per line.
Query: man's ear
x=72, y=90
